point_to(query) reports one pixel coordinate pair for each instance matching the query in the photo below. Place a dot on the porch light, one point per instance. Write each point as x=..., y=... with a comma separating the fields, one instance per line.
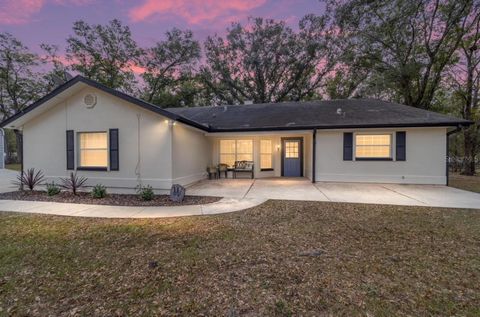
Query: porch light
x=278, y=147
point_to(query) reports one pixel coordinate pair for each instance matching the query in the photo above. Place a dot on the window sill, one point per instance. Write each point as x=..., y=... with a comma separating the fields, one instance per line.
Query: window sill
x=373, y=159
x=98, y=169
x=266, y=169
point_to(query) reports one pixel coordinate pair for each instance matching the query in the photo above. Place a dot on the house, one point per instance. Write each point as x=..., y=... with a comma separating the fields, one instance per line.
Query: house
x=117, y=140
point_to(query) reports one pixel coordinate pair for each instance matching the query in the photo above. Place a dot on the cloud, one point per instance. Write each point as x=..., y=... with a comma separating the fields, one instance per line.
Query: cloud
x=193, y=11
x=21, y=11
x=18, y=11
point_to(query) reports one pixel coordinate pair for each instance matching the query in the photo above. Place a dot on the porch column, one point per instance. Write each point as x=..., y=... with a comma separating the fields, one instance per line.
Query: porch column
x=314, y=153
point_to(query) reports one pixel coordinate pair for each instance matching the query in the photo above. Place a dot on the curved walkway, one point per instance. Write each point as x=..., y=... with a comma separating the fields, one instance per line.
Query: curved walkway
x=224, y=205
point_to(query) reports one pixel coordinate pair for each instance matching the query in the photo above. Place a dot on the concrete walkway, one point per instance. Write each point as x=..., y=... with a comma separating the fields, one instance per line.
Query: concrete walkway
x=82, y=210
x=241, y=194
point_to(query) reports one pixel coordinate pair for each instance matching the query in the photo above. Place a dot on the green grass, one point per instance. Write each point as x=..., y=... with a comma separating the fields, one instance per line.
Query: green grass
x=13, y=167
x=470, y=183
x=374, y=261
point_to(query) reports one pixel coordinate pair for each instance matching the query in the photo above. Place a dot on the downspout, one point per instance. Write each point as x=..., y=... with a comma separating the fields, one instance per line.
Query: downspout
x=2, y=139
x=20, y=139
x=447, y=171
x=314, y=154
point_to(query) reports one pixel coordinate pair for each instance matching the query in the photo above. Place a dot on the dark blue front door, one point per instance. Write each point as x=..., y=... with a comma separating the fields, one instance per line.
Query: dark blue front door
x=292, y=157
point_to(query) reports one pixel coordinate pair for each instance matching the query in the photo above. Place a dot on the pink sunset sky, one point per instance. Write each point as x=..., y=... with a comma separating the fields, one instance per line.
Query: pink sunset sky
x=50, y=21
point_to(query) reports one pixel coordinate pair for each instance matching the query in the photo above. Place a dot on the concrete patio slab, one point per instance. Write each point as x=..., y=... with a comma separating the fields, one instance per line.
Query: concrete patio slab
x=231, y=188
x=285, y=188
x=365, y=193
x=438, y=196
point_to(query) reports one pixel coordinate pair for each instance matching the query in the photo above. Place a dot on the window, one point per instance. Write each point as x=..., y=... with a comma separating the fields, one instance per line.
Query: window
x=266, y=154
x=93, y=149
x=373, y=146
x=291, y=149
x=235, y=150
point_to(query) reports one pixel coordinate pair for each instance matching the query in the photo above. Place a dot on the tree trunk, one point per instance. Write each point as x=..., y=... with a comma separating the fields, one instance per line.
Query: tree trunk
x=469, y=155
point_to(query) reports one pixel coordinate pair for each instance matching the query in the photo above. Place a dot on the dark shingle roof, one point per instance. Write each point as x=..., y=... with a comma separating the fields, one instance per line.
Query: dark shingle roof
x=347, y=113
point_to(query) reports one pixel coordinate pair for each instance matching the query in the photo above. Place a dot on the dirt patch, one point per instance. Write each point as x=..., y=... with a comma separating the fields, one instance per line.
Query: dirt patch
x=470, y=183
x=111, y=199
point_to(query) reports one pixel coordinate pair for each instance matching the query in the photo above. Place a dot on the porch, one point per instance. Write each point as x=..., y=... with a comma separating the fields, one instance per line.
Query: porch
x=274, y=154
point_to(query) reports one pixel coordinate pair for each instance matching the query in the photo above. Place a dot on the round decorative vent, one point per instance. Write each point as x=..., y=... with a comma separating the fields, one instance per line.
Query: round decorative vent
x=90, y=100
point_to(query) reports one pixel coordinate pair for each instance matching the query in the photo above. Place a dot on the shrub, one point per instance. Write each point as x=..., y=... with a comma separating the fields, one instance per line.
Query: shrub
x=146, y=192
x=73, y=183
x=30, y=178
x=52, y=189
x=99, y=191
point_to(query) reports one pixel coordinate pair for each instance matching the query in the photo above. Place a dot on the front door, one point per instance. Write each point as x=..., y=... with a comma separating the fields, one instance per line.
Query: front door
x=292, y=157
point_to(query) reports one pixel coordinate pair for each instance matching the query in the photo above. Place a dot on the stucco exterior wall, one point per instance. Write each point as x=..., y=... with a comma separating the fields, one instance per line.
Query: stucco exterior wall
x=45, y=140
x=425, y=163
x=191, y=154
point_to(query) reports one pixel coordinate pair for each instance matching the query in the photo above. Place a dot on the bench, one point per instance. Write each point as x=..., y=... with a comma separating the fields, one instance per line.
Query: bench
x=243, y=167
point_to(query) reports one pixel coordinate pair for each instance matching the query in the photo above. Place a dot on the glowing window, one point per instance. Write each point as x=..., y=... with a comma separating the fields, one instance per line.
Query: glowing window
x=235, y=150
x=292, y=149
x=93, y=148
x=373, y=146
x=266, y=154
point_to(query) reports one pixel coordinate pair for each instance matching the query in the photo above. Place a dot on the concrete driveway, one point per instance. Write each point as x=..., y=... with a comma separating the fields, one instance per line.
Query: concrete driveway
x=303, y=189
x=6, y=179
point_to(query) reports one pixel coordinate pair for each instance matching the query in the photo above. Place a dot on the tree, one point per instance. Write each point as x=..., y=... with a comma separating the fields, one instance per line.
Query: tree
x=20, y=83
x=58, y=73
x=169, y=68
x=266, y=61
x=408, y=43
x=106, y=54
x=464, y=82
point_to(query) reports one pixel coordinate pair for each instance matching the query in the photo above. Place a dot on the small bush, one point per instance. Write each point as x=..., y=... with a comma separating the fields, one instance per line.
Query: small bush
x=30, y=178
x=146, y=193
x=52, y=189
x=73, y=183
x=99, y=191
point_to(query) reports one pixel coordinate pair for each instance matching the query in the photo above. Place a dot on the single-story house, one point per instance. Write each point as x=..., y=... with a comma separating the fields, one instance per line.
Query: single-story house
x=117, y=140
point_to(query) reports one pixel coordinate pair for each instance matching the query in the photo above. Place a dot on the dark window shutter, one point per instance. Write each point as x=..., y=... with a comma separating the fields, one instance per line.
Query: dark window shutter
x=70, y=150
x=401, y=144
x=348, y=146
x=114, y=163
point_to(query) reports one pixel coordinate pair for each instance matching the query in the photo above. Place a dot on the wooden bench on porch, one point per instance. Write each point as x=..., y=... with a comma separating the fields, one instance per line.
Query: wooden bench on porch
x=243, y=167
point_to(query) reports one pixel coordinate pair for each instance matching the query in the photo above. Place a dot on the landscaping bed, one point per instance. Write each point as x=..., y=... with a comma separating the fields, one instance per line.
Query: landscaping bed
x=281, y=258
x=110, y=199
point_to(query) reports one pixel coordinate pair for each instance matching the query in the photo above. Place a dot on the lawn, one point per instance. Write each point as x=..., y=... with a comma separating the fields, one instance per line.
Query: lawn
x=471, y=183
x=13, y=167
x=277, y=259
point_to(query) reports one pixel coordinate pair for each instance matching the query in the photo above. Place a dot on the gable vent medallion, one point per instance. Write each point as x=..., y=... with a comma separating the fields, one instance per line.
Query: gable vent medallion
x=90, y=100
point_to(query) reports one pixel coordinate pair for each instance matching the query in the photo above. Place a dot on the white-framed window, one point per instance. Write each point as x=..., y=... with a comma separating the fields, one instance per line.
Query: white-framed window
x=93, y=149
x=235, y=150
x=266, y=161
x=373, y=146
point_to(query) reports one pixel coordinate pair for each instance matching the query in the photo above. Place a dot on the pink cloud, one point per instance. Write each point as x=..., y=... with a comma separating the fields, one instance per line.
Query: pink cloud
x=193, y=11
x=18, y=11
x=21, y=11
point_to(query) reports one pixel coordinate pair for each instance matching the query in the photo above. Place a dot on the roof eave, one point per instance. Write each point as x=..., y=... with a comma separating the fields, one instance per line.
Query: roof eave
x=350, y=126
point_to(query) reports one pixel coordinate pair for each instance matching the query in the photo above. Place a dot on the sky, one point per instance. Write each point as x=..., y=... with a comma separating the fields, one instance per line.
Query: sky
x=50, y=21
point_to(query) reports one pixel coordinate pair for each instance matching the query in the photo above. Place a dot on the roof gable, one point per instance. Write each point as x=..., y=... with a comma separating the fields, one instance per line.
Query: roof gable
x=76, y=84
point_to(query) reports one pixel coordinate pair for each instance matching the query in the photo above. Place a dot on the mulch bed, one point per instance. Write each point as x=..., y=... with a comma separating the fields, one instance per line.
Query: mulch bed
x=111, y=199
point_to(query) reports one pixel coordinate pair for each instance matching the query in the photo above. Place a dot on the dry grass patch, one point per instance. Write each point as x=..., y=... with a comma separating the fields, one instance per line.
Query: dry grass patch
x=280, y=258
x=470, y=183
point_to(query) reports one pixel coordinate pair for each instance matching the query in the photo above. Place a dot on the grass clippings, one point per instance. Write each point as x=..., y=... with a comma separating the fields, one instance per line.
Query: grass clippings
x=282, y=258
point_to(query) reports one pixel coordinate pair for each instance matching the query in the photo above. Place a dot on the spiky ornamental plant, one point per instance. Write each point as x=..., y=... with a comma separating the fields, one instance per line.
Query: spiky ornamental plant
x=74, y=182
x=30, y=178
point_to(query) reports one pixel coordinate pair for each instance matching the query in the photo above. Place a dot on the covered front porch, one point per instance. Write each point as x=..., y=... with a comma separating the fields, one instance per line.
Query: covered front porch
x=274, y=154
